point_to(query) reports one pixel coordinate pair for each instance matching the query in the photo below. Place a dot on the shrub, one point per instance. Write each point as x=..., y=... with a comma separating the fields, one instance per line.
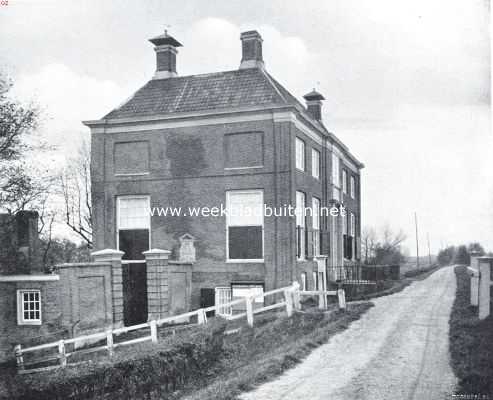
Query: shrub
x=139, y=371
x=415, y=272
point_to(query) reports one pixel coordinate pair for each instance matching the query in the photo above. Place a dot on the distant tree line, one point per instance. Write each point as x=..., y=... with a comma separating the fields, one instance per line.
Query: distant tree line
x=459, y=254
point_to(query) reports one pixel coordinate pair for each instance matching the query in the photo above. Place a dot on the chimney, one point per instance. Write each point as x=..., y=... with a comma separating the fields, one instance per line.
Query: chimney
x=251, y=50
x=165, y=48
x=314, y=104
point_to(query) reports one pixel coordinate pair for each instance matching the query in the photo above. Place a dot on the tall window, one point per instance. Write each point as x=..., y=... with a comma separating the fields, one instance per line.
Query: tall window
x=300, y=154
x=245, y=225
x=353, y=187
x=316, y=225
x=300, y=225
x=315, y=163
x=352, y=231
x=133, y=226
x=335, y=170
x=345, y=240
x=344, y=181
x=28, y=307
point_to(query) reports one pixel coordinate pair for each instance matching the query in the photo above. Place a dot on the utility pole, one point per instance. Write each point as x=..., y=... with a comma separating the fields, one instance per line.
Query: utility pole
x=429, y=252
x=417, y=244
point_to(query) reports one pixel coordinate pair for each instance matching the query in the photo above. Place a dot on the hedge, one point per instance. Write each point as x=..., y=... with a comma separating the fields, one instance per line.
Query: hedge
x=140, y=371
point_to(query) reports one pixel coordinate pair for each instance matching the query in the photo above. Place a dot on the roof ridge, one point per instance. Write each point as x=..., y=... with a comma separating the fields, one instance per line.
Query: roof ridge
x=270, y=80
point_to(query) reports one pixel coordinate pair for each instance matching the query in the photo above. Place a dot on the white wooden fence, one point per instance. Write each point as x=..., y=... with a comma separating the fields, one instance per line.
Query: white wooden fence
x=291, y=301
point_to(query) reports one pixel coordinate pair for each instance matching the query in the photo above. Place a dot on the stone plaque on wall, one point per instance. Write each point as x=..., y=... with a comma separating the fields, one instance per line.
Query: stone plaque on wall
x=186, y=252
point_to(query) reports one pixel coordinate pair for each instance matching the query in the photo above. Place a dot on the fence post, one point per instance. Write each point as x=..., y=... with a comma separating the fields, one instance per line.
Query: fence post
x=153, y=325
x=484, y=286
x=249, y=310
x=296, y=296
x=18, y=356
x=61, y=351
x=201, y=317
x=288, y=296
x=342, y=298
x=109, y=342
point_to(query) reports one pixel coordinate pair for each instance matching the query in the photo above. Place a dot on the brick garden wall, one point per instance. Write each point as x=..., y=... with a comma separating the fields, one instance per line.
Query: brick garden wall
x=51, y=310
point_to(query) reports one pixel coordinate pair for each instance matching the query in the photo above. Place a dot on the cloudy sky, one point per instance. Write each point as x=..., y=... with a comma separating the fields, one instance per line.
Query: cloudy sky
x=407, y=85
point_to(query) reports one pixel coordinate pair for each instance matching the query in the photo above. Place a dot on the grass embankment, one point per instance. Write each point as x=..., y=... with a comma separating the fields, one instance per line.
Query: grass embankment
x=261, y=353
x=141, y=371
x=471, y=343
x=197, y=364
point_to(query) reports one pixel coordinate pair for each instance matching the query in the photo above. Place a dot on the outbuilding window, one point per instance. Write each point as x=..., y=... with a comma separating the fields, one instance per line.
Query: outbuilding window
x=28, y=307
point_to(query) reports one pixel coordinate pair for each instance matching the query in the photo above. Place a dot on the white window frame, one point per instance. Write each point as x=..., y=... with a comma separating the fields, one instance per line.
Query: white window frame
x=303, y=223
x=245, y=260
x=300, y=154
x=353, y=187
x=20, y=307
x=335, y=170
x=118, y=200
x=315, y=163
x=344, y=181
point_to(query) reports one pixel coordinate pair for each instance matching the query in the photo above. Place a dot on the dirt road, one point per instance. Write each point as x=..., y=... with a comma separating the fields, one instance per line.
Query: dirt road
x=397, y=350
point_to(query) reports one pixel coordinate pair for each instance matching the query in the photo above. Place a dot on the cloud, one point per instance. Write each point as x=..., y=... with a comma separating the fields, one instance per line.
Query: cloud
x=213, y=44
x=67, y=98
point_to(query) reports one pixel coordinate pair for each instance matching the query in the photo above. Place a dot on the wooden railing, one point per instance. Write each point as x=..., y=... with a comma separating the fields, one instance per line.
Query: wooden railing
x=291, y=301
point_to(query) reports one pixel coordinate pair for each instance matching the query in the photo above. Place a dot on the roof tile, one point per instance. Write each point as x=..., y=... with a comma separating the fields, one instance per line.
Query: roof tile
x=230, y=89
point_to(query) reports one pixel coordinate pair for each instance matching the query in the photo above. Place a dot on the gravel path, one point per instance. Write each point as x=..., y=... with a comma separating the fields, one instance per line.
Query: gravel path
x=397, y=350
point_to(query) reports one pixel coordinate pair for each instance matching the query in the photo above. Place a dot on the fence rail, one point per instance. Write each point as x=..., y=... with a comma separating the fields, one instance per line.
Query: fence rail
x=292, y=295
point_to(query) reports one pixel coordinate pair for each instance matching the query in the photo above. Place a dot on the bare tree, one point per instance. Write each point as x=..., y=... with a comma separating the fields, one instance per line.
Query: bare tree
x=384, y=247
x=75, y=184
x=391, y=240
x=368, y=242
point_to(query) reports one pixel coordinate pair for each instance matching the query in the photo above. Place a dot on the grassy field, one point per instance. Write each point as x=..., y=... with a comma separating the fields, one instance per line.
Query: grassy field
x=471, y=343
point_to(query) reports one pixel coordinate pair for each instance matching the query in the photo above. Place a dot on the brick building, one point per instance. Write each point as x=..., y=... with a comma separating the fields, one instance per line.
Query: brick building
x=29, y=302
x=233, y=138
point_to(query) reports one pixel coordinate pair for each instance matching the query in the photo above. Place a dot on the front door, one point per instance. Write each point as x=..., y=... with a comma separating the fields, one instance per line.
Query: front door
x=133, y=240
